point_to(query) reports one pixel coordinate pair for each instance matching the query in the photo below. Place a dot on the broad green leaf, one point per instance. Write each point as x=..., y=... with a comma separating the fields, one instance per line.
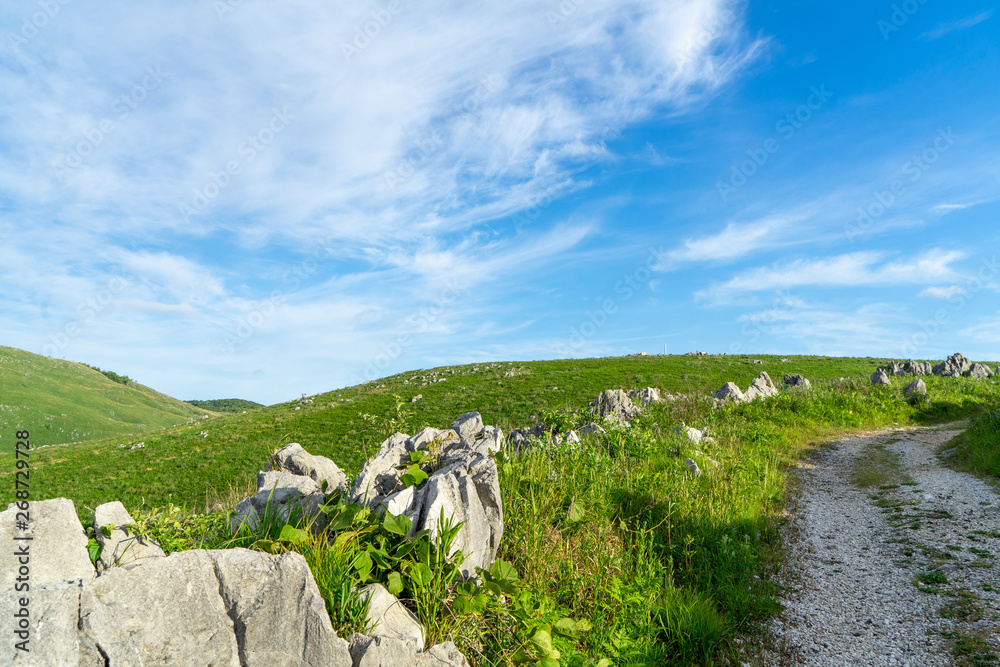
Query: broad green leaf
x=479, y=603
x=603, y=662
x=466, y=588
x=551, y=661
x=542, y=641
x=577, y=512
x=462, y=606
x=421, y=575
x=566, y=627
x=363, y=565
x=413, y=476
x=395, y=583
x=397, y=525
x=493, y=587
x=583, y=625
x=268, y=546
x=503, y=571
x=94, y=550
x=296, y=536
x=107, y=529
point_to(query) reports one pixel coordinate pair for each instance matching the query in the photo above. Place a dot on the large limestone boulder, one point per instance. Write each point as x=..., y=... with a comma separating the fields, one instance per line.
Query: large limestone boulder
x=979, y=371
x=880, y=377
x=283, y=495
x=463, y=484
x=57, y=549
x=760, y=387
x=918, y=386
x=442, y=655
x=468, y=425
x=389, y=618
x=225, y=607
x=644, y=396
x=54, y=637
x=796, y=381
x=296, y=460
x=918, y=367
x=615, y=404
x=380, y=651
x=123, y=546
x=729, y=391
x=954, y=366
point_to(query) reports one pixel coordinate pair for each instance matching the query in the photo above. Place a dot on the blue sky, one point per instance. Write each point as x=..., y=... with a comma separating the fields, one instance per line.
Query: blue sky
x=250, y=199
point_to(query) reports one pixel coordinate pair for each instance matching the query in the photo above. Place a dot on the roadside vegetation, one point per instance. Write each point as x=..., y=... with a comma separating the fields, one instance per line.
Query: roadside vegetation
x=613, y=552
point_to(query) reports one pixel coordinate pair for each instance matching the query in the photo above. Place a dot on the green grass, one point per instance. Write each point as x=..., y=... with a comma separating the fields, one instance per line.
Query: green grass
x=62, y=401
x=660, y=567
x=978, y=449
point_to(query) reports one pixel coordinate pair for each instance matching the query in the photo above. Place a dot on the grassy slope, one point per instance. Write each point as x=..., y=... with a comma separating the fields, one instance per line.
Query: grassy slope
x=669, y=569
x=62, y=401
x=183, y=466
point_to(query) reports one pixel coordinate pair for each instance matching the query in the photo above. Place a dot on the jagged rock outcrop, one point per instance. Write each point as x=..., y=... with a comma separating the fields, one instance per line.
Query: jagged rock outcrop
x=296, y=460
x=692, y=467
x=463, y=484
x=58, y=546
x=918, y=386
x=979, y=371
x=123, y=546
x=760, y=387
x=796, y=381
x=615, y=404
x=954, y=366
x=880, y=377
x=895, y=368
x=644, y=396
x=282, y=494
x=918, y=367
x=389, y=618
x=222, y=607
x=729, y=391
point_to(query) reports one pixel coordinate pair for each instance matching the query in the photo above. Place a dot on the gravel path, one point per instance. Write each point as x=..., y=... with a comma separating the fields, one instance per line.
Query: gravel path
x=852, y=596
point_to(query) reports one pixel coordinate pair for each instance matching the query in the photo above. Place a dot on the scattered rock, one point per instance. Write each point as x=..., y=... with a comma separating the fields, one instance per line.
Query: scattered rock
x=693, y=434
x=285, y=494
x=442, y=655
x=954, y=366
x=416, y=398
x=761, y=387
x=979, y=371
x=918, y=367
x=692, y=467
x=389, y=618
x=58, y=545
x=616, y=404
x=123, y=547
x=729, y=391
x=796, y=381
x=918, y=386
x=880, y=377
x=298, y=461
x=591, y=429
x=380, y=651
x=468, y=425
x=647, y=395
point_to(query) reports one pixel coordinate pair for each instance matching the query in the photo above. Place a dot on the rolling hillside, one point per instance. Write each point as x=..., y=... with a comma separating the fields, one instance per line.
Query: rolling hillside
x=63, y=401
x=193, y=464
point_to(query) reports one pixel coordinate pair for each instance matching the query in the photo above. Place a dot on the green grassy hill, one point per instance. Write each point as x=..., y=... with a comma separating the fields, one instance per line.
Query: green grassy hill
x=623, y=554
x=63, y=401
x=195, y=465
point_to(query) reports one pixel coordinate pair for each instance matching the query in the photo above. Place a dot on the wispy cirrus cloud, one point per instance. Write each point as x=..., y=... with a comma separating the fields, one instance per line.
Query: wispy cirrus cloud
x=945, y=28
x=942, y=292
x=858, y=269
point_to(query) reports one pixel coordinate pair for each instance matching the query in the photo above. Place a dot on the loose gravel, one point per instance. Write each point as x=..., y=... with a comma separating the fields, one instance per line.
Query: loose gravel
x=854, y=594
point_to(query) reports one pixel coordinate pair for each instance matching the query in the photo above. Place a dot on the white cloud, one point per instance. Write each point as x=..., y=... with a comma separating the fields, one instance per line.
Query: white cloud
x=942, y=292
x=735, y=241
x=945, y=28
x=859, y=269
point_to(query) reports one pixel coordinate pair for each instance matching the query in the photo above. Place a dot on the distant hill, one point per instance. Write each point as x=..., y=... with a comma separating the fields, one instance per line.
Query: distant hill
x=63, y=401
x=226, y=404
